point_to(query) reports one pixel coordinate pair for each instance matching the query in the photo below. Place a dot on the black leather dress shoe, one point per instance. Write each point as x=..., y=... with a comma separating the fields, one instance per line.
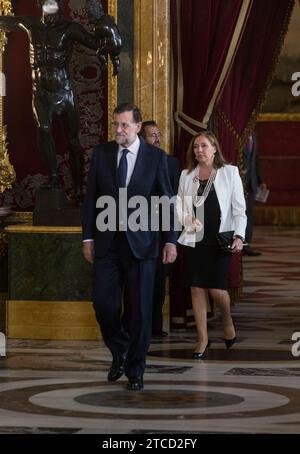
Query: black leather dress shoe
x=160, y=333
x=117, y=368
x=247, y=250
x=135, y=384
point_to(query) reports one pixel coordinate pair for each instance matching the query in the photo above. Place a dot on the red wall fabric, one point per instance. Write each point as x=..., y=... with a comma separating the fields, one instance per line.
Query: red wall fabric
x=90, y=87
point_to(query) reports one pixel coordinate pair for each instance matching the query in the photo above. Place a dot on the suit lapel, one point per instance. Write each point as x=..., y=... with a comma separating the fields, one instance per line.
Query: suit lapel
x=140, y=167
x=112, y=162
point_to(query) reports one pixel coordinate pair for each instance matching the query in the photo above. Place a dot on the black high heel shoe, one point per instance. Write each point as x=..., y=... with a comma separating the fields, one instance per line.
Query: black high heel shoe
x=200, y=355
x=229, y=342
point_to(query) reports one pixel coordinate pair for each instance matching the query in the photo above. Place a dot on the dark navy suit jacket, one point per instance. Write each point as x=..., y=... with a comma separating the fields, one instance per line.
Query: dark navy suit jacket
x=150, y=177
x=174, y=172
x=252, y=178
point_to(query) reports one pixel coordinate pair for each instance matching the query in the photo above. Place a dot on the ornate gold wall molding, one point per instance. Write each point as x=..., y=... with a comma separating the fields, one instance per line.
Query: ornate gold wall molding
x=28, y=229
x=152, y=63
x=5, y=7
x=112, y=81
x=268, y=117
x=7, y=172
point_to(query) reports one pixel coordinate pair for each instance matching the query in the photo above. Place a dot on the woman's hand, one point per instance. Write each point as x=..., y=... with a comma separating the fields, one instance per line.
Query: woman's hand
x=192, y=224
x=237, y=245
x=169, y=253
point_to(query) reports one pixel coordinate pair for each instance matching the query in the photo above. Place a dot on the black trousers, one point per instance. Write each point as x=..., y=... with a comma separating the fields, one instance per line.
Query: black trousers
x=117, y=270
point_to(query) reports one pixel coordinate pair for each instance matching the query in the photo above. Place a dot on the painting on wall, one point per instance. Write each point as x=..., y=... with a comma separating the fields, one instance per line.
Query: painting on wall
x=280, y=97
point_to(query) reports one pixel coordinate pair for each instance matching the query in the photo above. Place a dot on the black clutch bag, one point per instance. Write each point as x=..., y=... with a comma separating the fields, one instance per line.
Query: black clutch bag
x=225, y=240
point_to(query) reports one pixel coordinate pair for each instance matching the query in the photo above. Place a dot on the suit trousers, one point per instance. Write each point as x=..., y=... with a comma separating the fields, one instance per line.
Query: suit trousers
x=161, y=274
x=250, y=201
x=117, y=270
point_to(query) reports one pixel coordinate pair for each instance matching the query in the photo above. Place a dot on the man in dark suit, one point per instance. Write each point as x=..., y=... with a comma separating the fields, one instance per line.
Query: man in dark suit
x=252, y=180
x=151, y=134
x=121, y=254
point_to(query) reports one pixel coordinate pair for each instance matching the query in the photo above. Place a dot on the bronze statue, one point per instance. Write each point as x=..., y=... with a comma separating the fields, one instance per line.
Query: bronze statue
x=51, y=39
x=107, y=35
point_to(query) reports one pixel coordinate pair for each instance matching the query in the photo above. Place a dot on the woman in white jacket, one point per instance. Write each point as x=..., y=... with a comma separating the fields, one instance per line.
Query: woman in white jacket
x=210, y=200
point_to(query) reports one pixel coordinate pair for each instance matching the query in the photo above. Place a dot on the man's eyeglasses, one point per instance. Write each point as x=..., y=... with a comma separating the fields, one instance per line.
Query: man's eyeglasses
x=154, y=134
x=115, y=125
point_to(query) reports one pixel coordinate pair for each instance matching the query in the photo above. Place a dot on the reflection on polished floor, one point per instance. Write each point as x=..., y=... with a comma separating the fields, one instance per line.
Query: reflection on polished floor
x=61, y=387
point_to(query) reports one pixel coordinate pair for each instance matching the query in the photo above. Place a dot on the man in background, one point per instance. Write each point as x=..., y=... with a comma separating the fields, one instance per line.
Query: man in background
x=151, y=134
x=252, y=181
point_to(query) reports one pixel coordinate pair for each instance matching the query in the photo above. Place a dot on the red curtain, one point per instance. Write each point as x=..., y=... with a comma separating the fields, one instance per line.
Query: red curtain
x=204, y=29
x=90, y=87
x=253, y=66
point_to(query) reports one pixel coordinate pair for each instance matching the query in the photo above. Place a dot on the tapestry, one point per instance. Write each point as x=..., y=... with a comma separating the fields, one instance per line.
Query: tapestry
x=89, y=83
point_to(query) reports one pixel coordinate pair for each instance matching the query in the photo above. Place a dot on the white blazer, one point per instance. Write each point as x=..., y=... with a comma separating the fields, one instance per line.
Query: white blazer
x=230, y=193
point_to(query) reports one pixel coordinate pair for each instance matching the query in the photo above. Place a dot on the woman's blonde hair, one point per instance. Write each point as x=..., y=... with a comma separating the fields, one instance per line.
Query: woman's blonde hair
x=219, y=160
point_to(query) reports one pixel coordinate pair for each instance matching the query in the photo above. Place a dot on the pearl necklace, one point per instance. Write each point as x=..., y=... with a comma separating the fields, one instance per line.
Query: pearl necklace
x=199, y=200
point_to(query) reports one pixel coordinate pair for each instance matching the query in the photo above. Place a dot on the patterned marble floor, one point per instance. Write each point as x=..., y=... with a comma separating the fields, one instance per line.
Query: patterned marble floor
x=61, y=387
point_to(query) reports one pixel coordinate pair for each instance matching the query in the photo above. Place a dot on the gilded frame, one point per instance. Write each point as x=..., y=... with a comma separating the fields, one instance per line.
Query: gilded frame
x=112, y=98
x=7, y=172
x=268, y=117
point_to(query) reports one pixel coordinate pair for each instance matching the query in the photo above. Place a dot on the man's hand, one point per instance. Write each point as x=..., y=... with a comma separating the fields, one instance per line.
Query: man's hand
x=88, y=250
x=169, y=253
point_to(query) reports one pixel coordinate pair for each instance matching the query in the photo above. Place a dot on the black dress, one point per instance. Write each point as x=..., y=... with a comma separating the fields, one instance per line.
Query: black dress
x=207, y=265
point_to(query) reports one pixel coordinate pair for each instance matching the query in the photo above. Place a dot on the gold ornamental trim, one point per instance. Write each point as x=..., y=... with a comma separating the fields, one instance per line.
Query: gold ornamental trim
x=20, y=216
x=277, y=215
x=269, y=117
x=112, y=80
x=49, y=302
x=7, y=172
x=5, y=7
x=41, y=229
